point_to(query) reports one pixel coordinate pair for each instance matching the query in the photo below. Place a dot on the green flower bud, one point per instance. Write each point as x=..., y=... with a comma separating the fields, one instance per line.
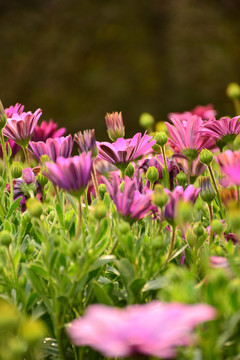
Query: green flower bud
x=102, y=190
x=181, y=178
x=5, y=238
x=207, y=192
x=160, y=197
x=16, y=169
x=51, y=216
x=152, y=174
x=43, y=180
x=146, y=120
x=161, y=138
x=198, y=229
x=184, y=212
x=217, y=227
x=157, y=149
x=9, y=316
x=32, y=331
x=130, y=170
x=34, y=207
x=44, y=158
x=99, y=210
x=124, y=227
x=233, y=90
x=206, y=157
x=30, y=249
x=3, y=117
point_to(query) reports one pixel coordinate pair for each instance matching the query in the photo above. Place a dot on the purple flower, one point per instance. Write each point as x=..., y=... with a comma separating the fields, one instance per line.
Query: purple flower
x=53, y=148
x=47, y=130
x=218, y=262
x=189, y=194
x=122, y=152
x=130, y=202
x=115, y=127
x=86, y=140
x=154, y=329
x=17, y=108
x=20, y=127
x=71, y=174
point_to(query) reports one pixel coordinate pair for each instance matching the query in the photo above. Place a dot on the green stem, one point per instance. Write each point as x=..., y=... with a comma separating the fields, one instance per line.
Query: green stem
x=79, y=218
x=238, y=196
x=236, y=103
x=189, y=172
x=57, y=194
x=25, y=151
x=210, y=221
x=7, y=166
x=216, y=189
x=167, y=184
x=172, y=242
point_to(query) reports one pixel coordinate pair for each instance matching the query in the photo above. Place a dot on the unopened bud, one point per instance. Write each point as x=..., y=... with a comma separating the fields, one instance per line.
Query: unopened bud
x=146, y=120
x=34, y=207
x=33, y=331
x=233, y=90
x=115, y=127
x=16, y=169
x=161, y=138
x=43, y=180
x=160, y=197
x=217, y=227
x=3, y=116
x=181, y=178
x=5, y=238
x=124, y=227
x=152, y=174
x=99, y=210
x=198, y=229
x=102, y=190
x=206, y=157
x=207, y=192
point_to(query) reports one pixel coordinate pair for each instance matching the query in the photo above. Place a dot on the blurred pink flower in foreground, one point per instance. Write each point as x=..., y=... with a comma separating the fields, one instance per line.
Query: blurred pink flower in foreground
x=154, y=329
x=218, y=262
x=230, y=165
x=206, y=112
x=47, y=130
x=122, y=152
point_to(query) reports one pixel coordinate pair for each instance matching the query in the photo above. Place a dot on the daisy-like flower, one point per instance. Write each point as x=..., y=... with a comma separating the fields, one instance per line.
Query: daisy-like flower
x=122, y=152
x=132, y=204
x=71, y=174
x=47, y=130
x=190, y=194
x=230, y=165
x=206, y=112
x=115, y=127
x=86, y=141
x=20, y=127
x=14, y=109
x=53, y=148
x=185, y=137
x=154, y=329
x=223, y=131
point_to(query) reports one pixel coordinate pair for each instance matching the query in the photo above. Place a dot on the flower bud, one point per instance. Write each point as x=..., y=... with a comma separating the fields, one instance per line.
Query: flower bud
x=28, y=175
x=5, y=238
x=198, y=229
x=157, y=149
x=160, y=126
x=32, y=331
x=44, y=158
x=115, y=127
x=146, y=120
x=16, y=169
x=9, y=316
x=233, y=90
x=124, y=227
x=3, y=116
x=207, y=192
x=99, y=210
x=161, y=138
x=160, y=197
x=102, y=190
x=43, y=180
x=34, y=207
x=181, y=178
x=184, y=212
x=152, y=174
x=206, y=157
x=130, y=170
x=217, y=227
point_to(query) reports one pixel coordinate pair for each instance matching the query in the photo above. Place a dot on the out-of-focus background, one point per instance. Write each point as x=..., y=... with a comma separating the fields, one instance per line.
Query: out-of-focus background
x=79, y=59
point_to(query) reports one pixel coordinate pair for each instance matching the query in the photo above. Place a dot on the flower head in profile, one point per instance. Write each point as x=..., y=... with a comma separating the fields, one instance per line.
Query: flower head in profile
x=14, y=109
x=115, y=127
x=47, y=130
x=223, y=131
x=20, y=127
x=122, y=152
x=154, y=329
x=229, y=162
x=185, y=137
x=190, y=194
x=130, y=202
x=86, y=141
x=53, y=148
x=71, y=174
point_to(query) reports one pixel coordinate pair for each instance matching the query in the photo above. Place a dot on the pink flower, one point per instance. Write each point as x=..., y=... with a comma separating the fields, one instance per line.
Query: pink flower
x=48, y=130
x=86, y=140
x=185, y=137
x=122, y=152
x=154, y=329
x=205, y=112
x=20, y=127
x=115, y=127
x=130, y=202
x=218, y=262
x=18, y=108
x=53, y=148
x=222, y=131
x=230, y=165
x=71, y=174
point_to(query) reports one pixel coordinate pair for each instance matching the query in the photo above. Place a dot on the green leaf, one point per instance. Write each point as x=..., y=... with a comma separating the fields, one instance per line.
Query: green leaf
x=39, y=270
x=101, y=294
x=126, y=271
x=13, y=207
x=136, y=286
x=60, y=214
x=155, y=284
x=103, y=261
x=177, y=253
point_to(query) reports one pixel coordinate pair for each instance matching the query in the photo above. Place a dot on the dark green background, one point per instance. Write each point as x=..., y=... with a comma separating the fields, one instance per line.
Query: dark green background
x=78, y=60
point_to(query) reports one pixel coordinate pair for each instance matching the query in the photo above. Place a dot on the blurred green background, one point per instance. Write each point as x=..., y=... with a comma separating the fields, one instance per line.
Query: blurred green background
x=78, y=60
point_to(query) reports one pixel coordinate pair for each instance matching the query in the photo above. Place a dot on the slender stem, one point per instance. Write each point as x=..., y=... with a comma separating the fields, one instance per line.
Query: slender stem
x=7, y=166
x=236, y=103
x=172, y=242
x=216, y=188
x=79, y=218
x=25, y=151
x=189, y=172
x=238, y=196
x=95, y=182
x=165, y=166
x=210, y=221
x=57, y=193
